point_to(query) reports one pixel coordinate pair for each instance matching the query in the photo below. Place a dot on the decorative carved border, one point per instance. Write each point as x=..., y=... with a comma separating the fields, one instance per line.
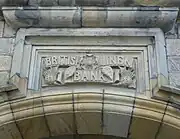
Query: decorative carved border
x=157, y=80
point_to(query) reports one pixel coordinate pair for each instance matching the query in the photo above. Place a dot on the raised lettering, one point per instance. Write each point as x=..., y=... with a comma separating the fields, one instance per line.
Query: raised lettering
x=94, y=75
x=72, y=60
x=85, y=76
x=48, y=61
x=54, y=60
x=77, y=75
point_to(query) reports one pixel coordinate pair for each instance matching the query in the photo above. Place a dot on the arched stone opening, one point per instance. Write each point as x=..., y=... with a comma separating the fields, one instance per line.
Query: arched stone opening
x=87, y=113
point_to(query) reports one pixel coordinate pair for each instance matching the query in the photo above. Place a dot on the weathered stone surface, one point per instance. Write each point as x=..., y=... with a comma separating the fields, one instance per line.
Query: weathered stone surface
x=174, y=64
x=29, y=67
x=10, y=131
x=174, y=79
x=103, y=3
x=43, y=17
x=1, y=28
x=173, y=46
x=34, y=128
x=6, y=46
x=116, y=124
x=91, y=2
x=131, y=17
x=51, y=2
x=8, y=31
x=5, y=63
x=4, y=77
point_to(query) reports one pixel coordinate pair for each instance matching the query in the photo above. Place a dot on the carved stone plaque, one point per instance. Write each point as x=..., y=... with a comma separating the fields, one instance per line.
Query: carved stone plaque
x=114, y=69
x=88, y=60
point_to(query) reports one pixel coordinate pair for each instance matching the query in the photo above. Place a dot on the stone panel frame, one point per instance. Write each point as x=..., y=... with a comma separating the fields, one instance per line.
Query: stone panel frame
x=158, y=73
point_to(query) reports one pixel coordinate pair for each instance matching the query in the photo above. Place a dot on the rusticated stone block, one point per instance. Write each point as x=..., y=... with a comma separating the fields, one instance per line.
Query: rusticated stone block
x=173, y=46
x=6, y=46
x=4, y=77
x=174, y=64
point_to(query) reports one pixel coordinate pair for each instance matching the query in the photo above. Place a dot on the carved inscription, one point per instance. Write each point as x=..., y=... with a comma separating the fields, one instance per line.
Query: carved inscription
x=112, y=69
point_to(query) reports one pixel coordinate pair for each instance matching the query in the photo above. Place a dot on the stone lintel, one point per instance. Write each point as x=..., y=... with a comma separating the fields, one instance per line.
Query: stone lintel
x=73, y=17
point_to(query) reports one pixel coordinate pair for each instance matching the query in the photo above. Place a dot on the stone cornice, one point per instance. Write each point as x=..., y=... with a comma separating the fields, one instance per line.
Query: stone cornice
x=89, y=3
x=115, y=17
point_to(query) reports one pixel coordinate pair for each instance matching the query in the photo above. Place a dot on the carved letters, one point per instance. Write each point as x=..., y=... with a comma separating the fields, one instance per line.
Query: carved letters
x=112, y=69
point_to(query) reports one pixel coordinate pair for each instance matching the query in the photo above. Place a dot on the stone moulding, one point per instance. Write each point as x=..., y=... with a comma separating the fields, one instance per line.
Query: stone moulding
x=62, y=105
x=70, y=17
x=89, y=3
x=27, y=67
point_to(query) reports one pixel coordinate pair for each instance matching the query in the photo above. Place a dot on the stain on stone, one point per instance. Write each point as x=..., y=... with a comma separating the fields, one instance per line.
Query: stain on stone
x=48, y=3
x=128, y=2
x=148, y=18
x=148, y=8
x=138, y=22
x=77, y=17
x=106, y=3
x=29, y=17
x=106, y=16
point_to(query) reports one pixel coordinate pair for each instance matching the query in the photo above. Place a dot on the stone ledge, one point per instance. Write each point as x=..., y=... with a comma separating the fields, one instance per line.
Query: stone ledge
x=89, y=3
x=126, y=17
x=171, y=89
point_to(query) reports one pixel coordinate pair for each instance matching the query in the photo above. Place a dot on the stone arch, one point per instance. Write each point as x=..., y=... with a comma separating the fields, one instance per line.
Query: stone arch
x=44, y=116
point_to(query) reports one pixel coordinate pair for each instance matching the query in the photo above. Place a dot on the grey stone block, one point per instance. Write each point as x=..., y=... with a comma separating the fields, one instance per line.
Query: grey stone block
x=128, y=17
x=8, y=31
x=43, y=17
x=1, y=28
x=50, y=2
x=116, y=124
x=5, y=63
x=174, y=79
x=4, y=77
x=103, y=3
x=173, y=46
x=6, y=46
x=174, y=64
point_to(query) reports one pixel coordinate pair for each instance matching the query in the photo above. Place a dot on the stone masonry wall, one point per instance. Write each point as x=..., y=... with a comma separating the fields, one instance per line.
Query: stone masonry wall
x=6, y=52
